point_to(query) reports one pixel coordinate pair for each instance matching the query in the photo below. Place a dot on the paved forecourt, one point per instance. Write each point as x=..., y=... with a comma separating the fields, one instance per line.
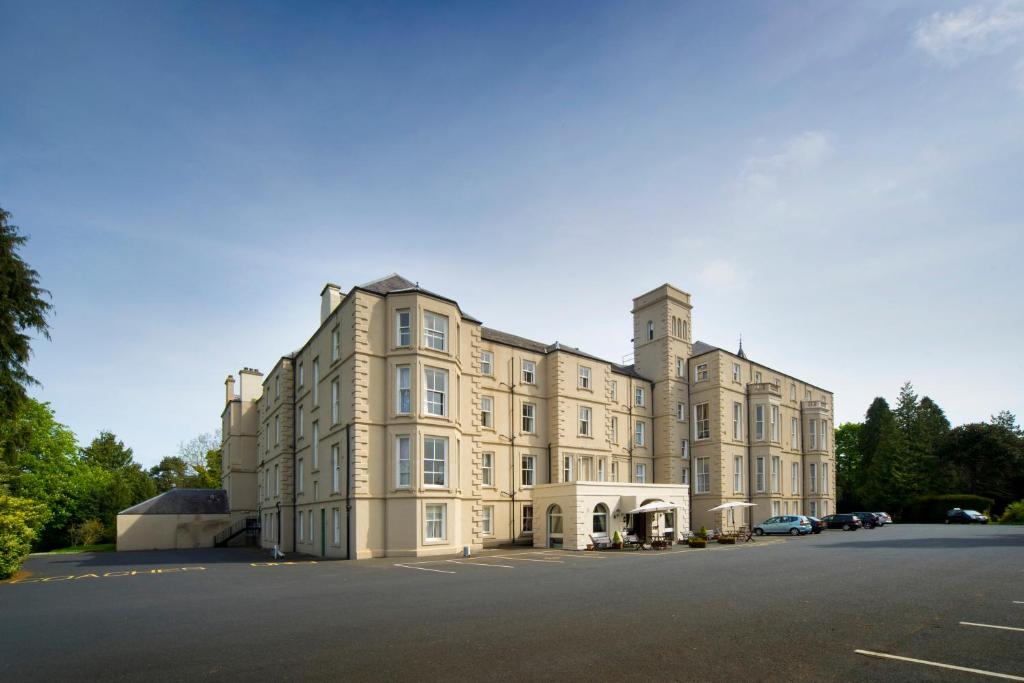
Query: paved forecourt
x=896, y=603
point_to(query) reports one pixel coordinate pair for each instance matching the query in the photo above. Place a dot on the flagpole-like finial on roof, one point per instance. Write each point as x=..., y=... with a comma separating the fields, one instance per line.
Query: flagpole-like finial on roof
x=740, y=352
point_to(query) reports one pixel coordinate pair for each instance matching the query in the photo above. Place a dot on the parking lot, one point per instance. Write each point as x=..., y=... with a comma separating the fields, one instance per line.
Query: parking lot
x=896, y=603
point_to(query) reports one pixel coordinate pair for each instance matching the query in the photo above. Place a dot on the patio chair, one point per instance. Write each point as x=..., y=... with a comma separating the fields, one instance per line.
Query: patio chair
x=600, y=541
x=633, y=541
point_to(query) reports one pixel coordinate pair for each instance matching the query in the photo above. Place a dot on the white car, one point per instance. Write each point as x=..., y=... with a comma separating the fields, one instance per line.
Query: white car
x=883, y=518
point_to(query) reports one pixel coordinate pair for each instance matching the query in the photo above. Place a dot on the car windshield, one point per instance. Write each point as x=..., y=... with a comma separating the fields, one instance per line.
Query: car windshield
x=973, y=513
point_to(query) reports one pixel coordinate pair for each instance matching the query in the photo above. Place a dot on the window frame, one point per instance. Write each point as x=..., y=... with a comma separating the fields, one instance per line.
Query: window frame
x=760, y=474
x=530, y=419
x=403, y=333
x=640, y=434
x=487, y=412
x=487, y=469
x=528, y=376
x=432, y=334
x=524, y=470
x=584, y=378
x=433, y=472
x=403, y=372
x=430, y=375
x=586, y=420
x=702, y=426
x=403, y=461
x=441, y=521
x=702, y=477
x=487, y=363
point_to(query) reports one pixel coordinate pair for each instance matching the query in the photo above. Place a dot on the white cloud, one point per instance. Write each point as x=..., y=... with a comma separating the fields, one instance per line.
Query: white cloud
x=985, y=29
x=806, y=151
x=720, y=273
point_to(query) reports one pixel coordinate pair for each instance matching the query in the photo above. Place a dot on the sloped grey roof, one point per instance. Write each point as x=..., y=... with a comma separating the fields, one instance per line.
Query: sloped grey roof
x=183, y=502
x=388, y=283
x=700, y=347
x=490, y=334
x=493, y=335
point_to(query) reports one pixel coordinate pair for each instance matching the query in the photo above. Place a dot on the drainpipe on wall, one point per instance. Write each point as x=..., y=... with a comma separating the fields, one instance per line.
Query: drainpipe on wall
x=348, y=491
x=295, y=483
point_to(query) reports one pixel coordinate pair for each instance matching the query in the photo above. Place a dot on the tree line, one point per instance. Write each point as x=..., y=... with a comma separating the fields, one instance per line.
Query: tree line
x=54, y=493
x=900, y=458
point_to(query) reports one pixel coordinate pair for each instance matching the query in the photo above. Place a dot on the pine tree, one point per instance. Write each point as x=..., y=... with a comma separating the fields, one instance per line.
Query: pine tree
x=22, y=309
x=930, y=427
x=884, y=477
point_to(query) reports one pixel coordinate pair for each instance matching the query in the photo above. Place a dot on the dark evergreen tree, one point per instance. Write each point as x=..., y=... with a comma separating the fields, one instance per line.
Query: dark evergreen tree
x=848, y=464
x=884, y=477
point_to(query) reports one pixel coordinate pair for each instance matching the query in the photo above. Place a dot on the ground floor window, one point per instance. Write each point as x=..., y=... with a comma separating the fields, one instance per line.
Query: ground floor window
x=487, y=524
x=641, y=474
x=312, y=536
x=601, y=519
x=775, y=508
x=527, y=519
x=336, y=525
x=555, y=526
x=615, y=471
x=813, y=507
x=434, y=527
x=302, y=530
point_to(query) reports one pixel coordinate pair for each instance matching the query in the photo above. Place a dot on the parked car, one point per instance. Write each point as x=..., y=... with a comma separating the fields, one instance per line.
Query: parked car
x=883, y=518
x=869, y=519
x=845, y=522
x=817, y=526
x=794, y=525
x=958, y=516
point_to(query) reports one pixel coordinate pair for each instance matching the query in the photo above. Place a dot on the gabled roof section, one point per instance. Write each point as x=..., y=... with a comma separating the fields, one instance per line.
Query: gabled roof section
x=396, y=284
x=389, y=283
x=700, y=348
x=183, y=502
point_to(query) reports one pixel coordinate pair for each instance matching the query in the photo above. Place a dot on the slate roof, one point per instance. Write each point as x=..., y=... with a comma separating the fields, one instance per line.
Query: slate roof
x=700, y=348
x=490, y=334
x=396, y=284
x=183, y=502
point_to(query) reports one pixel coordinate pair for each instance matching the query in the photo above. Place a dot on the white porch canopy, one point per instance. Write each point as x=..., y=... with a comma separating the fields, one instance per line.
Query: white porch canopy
x=655, y=506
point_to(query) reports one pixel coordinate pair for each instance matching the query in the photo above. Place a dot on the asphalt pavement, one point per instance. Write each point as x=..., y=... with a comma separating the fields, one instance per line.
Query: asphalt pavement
x=891, y=604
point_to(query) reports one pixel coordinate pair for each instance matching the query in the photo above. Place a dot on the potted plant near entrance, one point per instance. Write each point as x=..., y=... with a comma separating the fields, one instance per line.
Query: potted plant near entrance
x=617, y=541
x=698, y=540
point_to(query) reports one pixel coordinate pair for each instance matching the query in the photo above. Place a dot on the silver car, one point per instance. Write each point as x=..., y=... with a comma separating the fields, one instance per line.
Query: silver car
x=883, y=518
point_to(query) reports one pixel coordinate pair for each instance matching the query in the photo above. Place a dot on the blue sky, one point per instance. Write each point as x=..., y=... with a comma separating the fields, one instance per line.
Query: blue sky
x=839, y=182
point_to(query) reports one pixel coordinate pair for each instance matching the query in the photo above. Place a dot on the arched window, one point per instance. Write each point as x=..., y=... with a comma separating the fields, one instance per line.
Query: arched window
x=683, y=329
x=601, y=519
x=650, y=330
x=555, y=527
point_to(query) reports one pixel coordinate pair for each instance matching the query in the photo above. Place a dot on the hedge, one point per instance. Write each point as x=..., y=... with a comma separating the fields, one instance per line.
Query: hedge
x=933, y=508
x=1014, y=513
x=19, y=519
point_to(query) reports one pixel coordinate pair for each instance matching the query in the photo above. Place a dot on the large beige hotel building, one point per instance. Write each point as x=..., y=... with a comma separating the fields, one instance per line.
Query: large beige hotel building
x=403, y=427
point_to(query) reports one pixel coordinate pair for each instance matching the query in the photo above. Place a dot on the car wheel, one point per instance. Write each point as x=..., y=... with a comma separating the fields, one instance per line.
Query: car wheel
x=946, y=521
x=759, y=532
x=794, y=532
x=846, y=527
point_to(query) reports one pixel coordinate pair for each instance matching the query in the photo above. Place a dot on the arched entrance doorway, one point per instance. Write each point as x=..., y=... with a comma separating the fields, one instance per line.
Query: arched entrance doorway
x=555, y=533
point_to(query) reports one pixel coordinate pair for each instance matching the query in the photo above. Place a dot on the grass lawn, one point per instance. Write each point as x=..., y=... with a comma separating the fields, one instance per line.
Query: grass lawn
x=95, y=548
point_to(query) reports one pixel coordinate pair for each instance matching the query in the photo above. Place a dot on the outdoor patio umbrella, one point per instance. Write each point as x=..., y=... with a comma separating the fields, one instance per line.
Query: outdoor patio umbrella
x=731, y=505
x=655, y=506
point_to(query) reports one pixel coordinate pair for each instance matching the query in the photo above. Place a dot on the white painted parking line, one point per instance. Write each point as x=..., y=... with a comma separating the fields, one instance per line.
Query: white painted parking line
x=424, y=569
x=1004, y=628
x=980, y=672
x=1018, y=602
x=524, y=559
x=482, y=564
x=569, y=556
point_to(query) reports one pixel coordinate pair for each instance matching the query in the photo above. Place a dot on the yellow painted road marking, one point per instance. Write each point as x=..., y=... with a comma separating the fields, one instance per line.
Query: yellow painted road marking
x=125, y=572
x=981, y=672
x=1004, y=628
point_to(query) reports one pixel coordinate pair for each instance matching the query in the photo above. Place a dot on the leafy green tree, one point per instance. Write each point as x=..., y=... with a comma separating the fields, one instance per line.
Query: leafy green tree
x=986, y=460
x=23, y=309
x=905, y=411
x=208, y=475
x=170, y=473
x=1008, y=421
x=20, y=518
x=848, y=463
x=107, y=452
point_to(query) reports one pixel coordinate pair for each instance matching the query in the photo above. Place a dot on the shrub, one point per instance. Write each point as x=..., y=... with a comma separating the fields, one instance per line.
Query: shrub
x=1014, y=513
x=89, y=532
x=933, y=508
x=19, y=519
x=703, y=533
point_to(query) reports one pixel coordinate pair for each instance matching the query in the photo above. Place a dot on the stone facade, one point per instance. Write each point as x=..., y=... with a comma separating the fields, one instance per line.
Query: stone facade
x=404, y=427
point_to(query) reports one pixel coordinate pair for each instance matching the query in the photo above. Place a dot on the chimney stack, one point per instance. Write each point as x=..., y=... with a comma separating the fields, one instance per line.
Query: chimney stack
x=229, y=385
x=330, y=297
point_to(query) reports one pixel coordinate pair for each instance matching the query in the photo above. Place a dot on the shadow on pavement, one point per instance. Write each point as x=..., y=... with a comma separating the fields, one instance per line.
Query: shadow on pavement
x=135, y=558
x=1000, y=541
